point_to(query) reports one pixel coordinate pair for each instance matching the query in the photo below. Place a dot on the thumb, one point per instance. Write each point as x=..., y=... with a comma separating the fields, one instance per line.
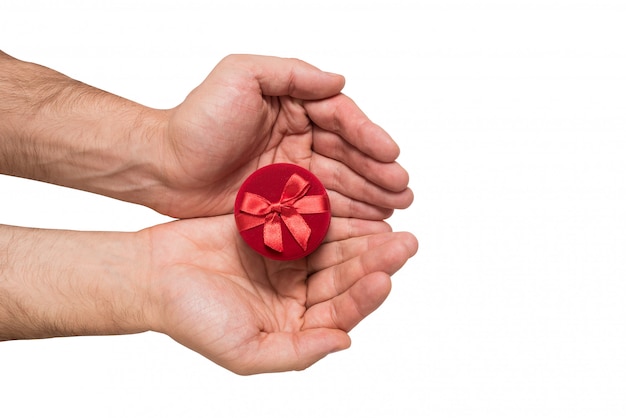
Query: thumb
x=284, y=76
x=286, y=351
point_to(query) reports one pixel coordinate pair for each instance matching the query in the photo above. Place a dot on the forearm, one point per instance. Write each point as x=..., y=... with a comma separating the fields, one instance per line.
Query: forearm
x=62, y=283
x=58, y=130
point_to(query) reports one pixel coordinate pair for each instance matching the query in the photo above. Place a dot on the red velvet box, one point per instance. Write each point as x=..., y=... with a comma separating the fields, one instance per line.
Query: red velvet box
x=282, y=211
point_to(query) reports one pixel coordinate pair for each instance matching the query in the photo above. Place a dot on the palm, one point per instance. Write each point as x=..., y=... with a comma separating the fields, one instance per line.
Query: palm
x=251, y=314
x=251, y=131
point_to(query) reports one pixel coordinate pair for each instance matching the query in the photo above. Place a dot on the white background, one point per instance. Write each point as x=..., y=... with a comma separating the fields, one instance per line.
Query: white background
x=511, y=116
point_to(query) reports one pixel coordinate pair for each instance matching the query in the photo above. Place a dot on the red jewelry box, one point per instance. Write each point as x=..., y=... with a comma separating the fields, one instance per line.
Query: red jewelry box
x=282, y=211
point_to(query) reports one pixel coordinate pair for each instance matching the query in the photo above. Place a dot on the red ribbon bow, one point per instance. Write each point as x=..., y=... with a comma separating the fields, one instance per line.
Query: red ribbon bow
x=257, y=210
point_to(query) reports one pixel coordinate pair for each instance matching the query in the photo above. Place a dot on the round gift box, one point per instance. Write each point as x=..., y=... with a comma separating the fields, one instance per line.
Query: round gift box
x=276, y=191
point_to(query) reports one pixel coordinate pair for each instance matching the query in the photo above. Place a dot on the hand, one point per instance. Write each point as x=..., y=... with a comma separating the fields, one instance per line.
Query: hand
x=251, y=314
x=197, y=281
x=252, y=111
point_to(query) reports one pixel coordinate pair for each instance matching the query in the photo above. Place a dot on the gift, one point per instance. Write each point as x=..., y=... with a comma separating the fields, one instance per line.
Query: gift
x=282, y=211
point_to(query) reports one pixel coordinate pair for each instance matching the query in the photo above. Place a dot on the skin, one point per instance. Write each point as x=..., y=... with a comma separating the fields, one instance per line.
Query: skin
x=195, y=279
x=189, y=161
x=240, y=310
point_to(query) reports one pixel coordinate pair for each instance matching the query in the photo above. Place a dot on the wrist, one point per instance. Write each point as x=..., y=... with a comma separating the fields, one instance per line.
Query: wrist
x=63, y=283
x=130, y=166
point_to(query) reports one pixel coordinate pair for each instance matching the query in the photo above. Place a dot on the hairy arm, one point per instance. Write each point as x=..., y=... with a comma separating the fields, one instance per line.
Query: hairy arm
x=189, y=161
x=58, y=130
x=62, y=283
x=246, y=313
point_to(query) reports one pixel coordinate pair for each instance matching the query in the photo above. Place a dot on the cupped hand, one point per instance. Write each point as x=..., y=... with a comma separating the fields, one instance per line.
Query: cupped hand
x=249, y=314
x=252, y=111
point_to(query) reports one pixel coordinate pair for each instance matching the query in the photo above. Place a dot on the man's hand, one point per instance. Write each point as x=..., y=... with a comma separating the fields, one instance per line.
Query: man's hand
x=251, y=314
x=252, y=111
